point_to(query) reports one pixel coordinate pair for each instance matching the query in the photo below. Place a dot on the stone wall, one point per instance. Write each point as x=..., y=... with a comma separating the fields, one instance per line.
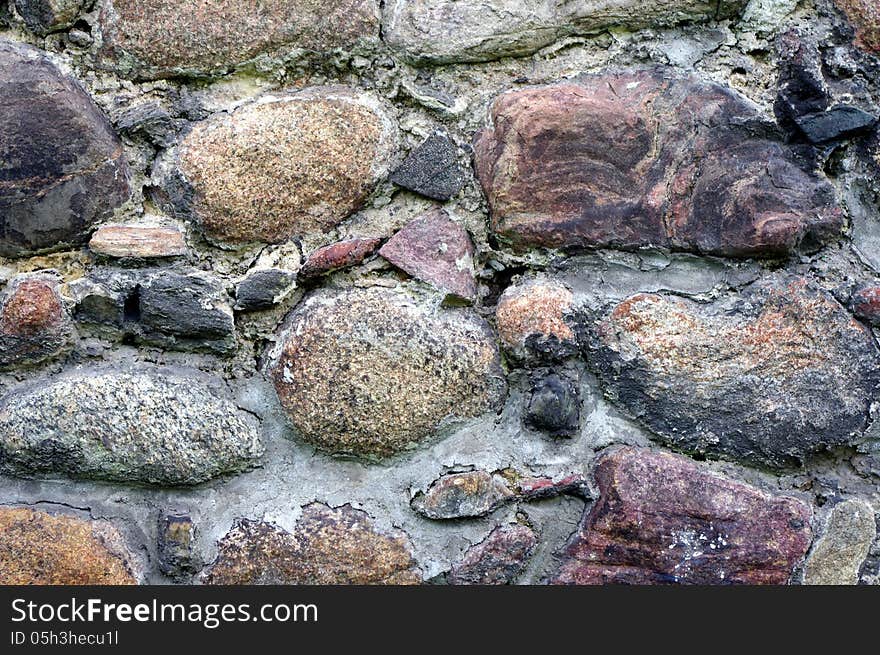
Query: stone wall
x=439, y=291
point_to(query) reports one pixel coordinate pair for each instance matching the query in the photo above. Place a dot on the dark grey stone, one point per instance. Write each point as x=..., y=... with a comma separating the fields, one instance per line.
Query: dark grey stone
x=191, y=306
x=178, y=558
x=554, y=405
x=431, y=169
x=263, y=289
x=837, y=123
x=44, y=16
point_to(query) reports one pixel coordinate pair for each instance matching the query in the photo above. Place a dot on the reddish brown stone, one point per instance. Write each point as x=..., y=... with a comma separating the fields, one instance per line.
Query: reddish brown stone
x=533, y=316
x=497, y=560
x=437, y=250
x=137, y=241
x=865, y=18
x=339, y=255
x=663, y=519
x=462, y=495
x=328, y=546
x=635, y=159
x=865, y=303
x=531, y=488
x=33, y=323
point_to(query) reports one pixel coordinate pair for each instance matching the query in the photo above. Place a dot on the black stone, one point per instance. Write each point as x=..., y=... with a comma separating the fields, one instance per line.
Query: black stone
x=184, y=305
x=260, y=289
x=554, y=405
x=837, y=123
x=431, y=169
x=40, y=16
x=149, y=120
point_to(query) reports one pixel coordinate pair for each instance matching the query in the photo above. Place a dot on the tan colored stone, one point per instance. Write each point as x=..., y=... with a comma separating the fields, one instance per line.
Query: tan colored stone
x=839, y=554
x=137, y=241
x=534, y=309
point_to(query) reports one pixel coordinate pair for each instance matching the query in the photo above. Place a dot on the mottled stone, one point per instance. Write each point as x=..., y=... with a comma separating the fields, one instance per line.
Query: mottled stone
x=663, y=519
x=153, y=426
x=865, y=18
x=554, y=405
x=497, y=560
x=167, y=38
x=529, y=488
x=309, y=159
x=327, y=546
x=641, y=158
x=62, y=168
x=437, y=250
x=444, y=31
x=264, y=288
x=431, y=169
x=533, y=317
x=462, y=495
x=176, y=546
x=770, y=376
x=865, y=303
x=34, y=324
x=339, y=255
x=44, y=16
x=137, y=242
x=39, y=548
x=191, y=305
x=839, y=554
x=372, y=371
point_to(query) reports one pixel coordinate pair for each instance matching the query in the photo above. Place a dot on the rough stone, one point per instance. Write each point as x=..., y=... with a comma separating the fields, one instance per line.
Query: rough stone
x=865, y=303
x=642, y=158
x=839, y=554
x=153, y=426
x=137, y=242
x=34, y=325
x=327, y=546
x=97, y=304
x=373, y=371
x=437, y=250
x=62, y=168
x=836, y=123
x=45, y=16
x=528, y=488
x=176, y=546
x=263, y=289
x=431, y=169
x=445, y=31
x=554, y=405
x=337, y=256
x=663, y=519
x=498, y=560
x=310, y=160
x=534, y=317
x=865, y=18
x=192, y=305
x=39, y=548
x=168, y=38
x=768, y=377
x=462, y=495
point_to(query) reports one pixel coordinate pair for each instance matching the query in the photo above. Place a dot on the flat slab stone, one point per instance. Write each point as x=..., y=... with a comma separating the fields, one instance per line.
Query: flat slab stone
x=431, y=169
x=137, y=242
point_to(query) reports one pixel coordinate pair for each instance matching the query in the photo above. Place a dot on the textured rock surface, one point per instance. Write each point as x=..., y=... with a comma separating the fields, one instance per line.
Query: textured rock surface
x=38, y=548
x=339, y=255
x=663, y=519
x=328, y=546
x=554, y=405
x=769, y=378
x=373, y=371
x=431, y=169
x=160, y=38
x=534, y=316
x=642, y=158
x=462, y=495
x=186, y=305
x=865, y=303
x=34, y=324
x=865, y=18
x=43, y=16
x=263, y=289
x=155, y=426
x=61, y=166
x=176, y=546
x=497, y=560
x=137, y=242
x=482, y=30
x=839, y=554
x=437, y=250
x=310, y=159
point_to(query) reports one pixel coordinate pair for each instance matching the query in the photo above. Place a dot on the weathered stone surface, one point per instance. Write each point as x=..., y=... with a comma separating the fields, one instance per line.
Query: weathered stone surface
x=176, y=546
x=529, y=488
x=328, y=546
x=152, y=426
x=187, y=305
x=498, y=560
x=310, y=159
x=163, y=38
x=835, y=123
x=44, y=16
x=839, y=554
x=337, y=256
x=534, y=317
x=865, y=303
x=638, y=158
x=97, y=304
x=431, y=169
x=462, y=495
x=34, y=324
x=663, y=519
x=38, y=548
x=263, y=289
x=443, y=31
x=137, y=242
x=554, y=405
x=865, y=18
x=373, y=371
x=768, y=377
x=62, y=168
x=437, y=250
